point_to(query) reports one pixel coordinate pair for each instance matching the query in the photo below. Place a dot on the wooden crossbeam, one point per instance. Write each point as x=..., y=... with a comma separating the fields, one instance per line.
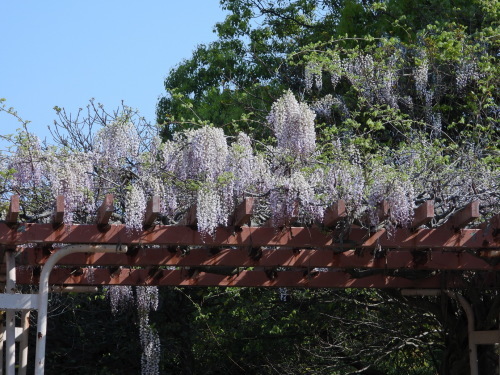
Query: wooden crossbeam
x=152, y=211
x=242, y=213
x=105, y=210
x=423, y=214
x=13, y=213
x=257, y=278
x=383, y=210
x=3, y=273
x=58, y=214
x=288, y=221
x=248, y=237
x=463, y=217
x=189, y=218
x=493, y=225
x=295, y=213
x=334, y=214
x=308, y=258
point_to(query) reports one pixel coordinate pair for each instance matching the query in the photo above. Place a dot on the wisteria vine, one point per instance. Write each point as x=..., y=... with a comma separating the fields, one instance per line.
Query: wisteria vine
x=146, y=300
x=296, y=179
x=293, y=180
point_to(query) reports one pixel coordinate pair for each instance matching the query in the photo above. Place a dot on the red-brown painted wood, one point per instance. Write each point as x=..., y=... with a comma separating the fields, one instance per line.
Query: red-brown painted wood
x=258, y=278
x=423, y=214
x=152, y=211
x=463, y=217
x=13, y=213
x=334, y=214
x=105, y=210
x=242, y=213
x=296, y=237
x=393, y=259
x=189, y=218
x=58, y=214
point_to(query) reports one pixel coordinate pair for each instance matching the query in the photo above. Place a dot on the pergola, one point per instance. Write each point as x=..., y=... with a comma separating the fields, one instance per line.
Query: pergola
x=325, y=255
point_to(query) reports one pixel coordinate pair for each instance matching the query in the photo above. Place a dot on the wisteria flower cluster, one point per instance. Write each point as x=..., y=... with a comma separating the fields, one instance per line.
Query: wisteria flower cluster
x=403, y=80
x=313, y=76
x=27, y=162
x=146, y=300
x=293, y=124
x=116, y=143
x=292, y=182
x=323, y=106
x=71, y=176
x=135, y=201
x=120, y=297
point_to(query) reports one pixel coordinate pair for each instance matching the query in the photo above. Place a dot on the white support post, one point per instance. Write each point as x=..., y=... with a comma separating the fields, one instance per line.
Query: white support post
x=2, y=339
x=10, y=355
x=474, y=367
x=43, y=292
x=23, y=343
x=472, y=334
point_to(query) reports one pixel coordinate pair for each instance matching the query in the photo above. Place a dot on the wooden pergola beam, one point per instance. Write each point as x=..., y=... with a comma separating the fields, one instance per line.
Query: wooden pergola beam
x=105, y=210
x=58, y=214
x=13, y=213
x=423, y=214
x=383, y=210
x=463, y=217
x=334, y=214
x=189, y=218
x=152, y=211
x=306, y=258
x=493, y=225
x=242, y=213
x=287, y=257
x=248, y=237
x=257, y=278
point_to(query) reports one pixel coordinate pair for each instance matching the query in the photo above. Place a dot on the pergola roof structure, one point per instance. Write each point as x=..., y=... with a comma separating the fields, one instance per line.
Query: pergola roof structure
x=323, y=255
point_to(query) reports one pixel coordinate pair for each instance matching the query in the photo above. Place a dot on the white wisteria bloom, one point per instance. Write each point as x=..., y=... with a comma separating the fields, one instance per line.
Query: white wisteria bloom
x=27, y=162
x=205, y=153
x=146, y=301
x=293, y=125
x=135, y=207
x=116, y=143
x=209, y=211
x=241, y=162
x=313, y=76
x=120, y=297
x=72, y=176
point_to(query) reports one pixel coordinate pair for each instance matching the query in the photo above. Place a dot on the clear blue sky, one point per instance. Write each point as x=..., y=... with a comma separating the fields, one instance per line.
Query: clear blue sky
x=65, y=52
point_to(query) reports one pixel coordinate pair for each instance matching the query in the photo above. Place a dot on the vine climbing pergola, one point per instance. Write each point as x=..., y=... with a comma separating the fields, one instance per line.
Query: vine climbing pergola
x=327, y=254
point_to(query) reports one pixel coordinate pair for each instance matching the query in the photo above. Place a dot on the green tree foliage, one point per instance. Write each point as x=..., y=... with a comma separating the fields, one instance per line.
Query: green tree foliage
x=266, y=46
x=232, y=82
x=379, y=74
x=303, y=332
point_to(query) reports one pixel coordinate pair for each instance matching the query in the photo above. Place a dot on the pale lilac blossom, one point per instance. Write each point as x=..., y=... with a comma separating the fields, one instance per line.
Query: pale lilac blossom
x=293, y=125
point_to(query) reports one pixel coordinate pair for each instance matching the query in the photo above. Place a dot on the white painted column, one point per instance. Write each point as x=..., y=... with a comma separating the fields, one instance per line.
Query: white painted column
x=471, y=322
x=23, y=343
x=2, y=339
x=43, y=292
x=10, y=355
x=472, y=334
